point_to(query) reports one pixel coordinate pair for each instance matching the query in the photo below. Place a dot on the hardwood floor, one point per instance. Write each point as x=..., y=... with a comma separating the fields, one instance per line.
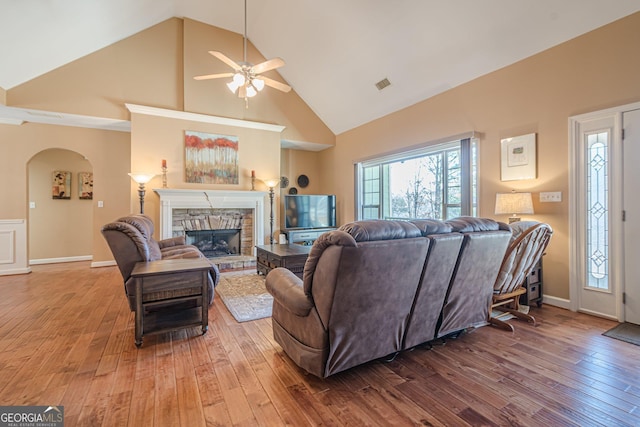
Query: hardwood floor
x=67, y=338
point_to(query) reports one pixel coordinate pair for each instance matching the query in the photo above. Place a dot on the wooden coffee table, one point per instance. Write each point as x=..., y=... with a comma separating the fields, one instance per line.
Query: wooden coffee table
x=290, y=256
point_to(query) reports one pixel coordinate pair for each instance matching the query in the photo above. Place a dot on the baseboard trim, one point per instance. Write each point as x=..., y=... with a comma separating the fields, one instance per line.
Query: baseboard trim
x=103, y=264
x=59, y=260
x=15, y=271
x=557, y=302
x=597, y=314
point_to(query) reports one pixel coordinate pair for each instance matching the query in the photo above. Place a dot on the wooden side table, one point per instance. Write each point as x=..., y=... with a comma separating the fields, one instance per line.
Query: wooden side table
x=533, y=285
x=291, y=256
x=170, y=295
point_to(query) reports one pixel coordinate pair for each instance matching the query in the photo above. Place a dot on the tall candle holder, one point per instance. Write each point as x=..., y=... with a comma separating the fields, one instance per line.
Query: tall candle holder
x=253, y=180
x=164, y=173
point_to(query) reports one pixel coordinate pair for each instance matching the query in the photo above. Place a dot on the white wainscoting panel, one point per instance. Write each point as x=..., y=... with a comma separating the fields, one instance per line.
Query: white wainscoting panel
x=13, y=247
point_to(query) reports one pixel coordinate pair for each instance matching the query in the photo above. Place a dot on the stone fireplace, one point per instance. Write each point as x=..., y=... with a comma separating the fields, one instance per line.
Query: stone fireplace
x=216, y=232
x=223, y=222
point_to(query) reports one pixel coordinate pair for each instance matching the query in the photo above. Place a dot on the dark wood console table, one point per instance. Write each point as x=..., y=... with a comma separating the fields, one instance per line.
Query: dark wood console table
x=190, y=286
x=291, y=256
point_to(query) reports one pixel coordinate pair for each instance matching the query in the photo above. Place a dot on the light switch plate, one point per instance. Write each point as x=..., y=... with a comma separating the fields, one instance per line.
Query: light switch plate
x=551, y=196
x=100, y=203
x=32, y=205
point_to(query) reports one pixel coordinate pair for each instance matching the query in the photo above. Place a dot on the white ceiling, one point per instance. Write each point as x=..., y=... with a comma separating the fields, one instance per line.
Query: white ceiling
x=335, y=50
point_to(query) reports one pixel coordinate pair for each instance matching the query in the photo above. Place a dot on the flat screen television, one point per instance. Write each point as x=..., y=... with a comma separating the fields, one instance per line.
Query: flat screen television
x=309, y=211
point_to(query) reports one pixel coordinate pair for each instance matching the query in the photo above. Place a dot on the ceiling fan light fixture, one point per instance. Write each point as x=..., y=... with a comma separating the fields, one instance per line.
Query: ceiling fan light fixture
x=233, y=86
x=246, y=81
x=251, y=91
x=239, y=79
x=258, y=84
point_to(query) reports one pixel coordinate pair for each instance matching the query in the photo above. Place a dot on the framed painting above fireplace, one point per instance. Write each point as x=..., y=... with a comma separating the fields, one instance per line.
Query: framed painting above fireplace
x=210, y=158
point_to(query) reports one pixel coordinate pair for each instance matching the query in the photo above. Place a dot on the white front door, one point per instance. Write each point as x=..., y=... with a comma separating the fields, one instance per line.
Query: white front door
x=631, y=226
x=603, y=192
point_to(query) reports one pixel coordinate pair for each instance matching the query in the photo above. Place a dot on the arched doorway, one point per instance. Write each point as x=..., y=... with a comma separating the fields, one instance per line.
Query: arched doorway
x=60, y=215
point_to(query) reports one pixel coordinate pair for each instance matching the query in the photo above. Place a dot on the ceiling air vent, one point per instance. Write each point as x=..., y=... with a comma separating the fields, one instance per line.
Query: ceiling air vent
x=383, y=83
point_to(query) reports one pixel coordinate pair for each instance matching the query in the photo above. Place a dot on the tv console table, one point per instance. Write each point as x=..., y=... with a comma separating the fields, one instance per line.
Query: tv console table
x=305, y=236
x=291, y=256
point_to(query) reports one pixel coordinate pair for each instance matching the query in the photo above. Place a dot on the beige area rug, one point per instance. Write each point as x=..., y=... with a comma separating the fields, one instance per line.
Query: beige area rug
x=244, y=295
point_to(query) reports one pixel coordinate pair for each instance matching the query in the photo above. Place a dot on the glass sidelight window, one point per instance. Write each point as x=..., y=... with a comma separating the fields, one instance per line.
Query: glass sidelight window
x=597, y=159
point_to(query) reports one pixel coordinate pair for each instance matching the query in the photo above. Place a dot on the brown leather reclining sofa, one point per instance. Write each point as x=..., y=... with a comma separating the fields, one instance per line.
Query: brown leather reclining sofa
x=374, y=288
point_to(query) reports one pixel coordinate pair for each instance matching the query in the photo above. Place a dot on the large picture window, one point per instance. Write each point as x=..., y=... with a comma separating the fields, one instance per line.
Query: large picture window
x=436, y=182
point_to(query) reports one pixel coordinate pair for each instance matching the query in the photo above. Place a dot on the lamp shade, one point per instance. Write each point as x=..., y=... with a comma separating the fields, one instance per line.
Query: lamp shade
x=258, y=84
x=514, y=203
x=272, y=182
x=140, y=177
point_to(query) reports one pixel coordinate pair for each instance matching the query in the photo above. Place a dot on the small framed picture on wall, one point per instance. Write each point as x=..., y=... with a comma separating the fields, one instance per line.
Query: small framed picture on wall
x=85, y=185
x=518, y=157
x=61, y=188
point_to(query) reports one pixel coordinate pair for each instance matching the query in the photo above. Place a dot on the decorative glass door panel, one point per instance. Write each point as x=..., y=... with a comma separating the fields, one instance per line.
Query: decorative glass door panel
x=597, y=210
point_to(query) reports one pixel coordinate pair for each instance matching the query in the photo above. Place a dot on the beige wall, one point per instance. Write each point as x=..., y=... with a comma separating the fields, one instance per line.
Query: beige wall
x=108, y=153
x=538, y=95
x=3, y=97
x=156, y=67
x=58, y=228
x=146, y=69
x=298, y=162
x=155, y=138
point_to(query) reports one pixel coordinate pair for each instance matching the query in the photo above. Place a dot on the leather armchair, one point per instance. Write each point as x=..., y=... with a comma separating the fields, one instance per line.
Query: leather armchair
x=130, y=239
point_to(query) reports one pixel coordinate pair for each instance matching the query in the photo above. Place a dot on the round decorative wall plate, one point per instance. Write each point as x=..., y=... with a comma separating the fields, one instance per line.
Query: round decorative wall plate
x=293, y=190
x=303, y=181
x=284, y=182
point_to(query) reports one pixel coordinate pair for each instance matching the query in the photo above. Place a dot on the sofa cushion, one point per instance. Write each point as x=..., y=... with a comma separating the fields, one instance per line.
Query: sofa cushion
x=154, y=250
x=144, y=224
x=326, y=240
x=469, y=224
x=380, y=229
x=432, y=226
x=141, y=222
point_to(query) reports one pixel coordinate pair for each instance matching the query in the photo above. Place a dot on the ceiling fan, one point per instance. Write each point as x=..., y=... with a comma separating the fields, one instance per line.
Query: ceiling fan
x=247, y=81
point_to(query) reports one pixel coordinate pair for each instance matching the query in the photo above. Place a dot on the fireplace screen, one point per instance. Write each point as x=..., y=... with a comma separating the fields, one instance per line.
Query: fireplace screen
x=215, y=243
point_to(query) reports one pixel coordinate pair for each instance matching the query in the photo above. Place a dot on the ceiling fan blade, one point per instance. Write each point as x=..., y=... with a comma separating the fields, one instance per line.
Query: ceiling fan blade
x=275, y=84
x=213, y=76
x=267, y=65
x=222, y=57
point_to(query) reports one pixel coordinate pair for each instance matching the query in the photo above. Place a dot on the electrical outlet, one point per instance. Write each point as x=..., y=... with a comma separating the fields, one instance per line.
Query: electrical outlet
x=32, y=205
x=551, y=196
x=100, y=203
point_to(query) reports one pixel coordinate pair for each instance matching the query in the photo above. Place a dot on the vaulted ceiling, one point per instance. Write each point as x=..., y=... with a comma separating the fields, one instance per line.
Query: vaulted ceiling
x=335, y=50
